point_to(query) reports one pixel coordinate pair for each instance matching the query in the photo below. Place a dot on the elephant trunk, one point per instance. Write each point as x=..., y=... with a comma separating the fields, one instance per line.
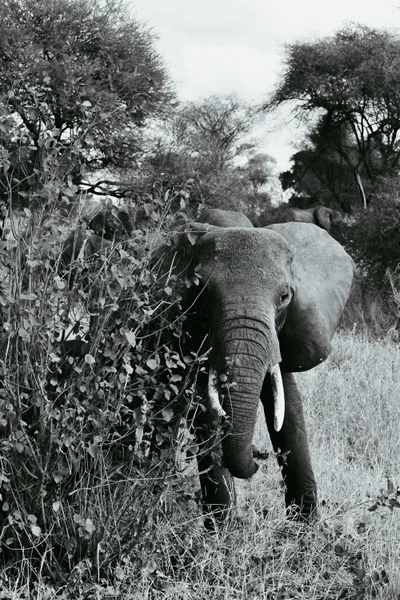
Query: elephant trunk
x=247, y=350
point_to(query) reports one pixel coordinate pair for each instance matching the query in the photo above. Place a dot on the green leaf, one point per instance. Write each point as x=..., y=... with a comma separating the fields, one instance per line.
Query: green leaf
x=78, y=519
x=36, y=530
x=152, y=364
x=131, y=337
x=60, y=283
x=24, y=335
x=151, y=566
x=89, y=360
x=175, y=378
x=148, y=208
x=167, y=414
x=89, y=526
x=193, y=236
x=93, y=450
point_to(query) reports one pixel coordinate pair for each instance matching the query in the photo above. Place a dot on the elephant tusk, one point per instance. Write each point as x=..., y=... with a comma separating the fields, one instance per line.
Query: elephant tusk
x=82, y=251
x=213, y=393
x=279, y=397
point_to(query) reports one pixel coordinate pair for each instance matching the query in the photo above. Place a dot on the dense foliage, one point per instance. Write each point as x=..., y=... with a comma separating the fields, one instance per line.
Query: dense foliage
x=206, y=145
x=78, y=76
x=350, y=84
x=320, y=173
x=96, y=394
x=375, y=241
x=97, y=391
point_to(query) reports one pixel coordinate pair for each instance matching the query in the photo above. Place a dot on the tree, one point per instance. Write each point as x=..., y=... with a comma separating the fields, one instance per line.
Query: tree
x=352, y=80
x=214, y=130
x=319, y=173
x=78, y=79
x=258, y=170
x=200, y=149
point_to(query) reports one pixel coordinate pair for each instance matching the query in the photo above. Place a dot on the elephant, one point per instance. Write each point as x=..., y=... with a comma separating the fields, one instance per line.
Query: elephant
x=224, y=218
x=81, y=241
x=111, y=224
x=108, y=225
x=268, y=303
x=324, y=217
x=79, y=244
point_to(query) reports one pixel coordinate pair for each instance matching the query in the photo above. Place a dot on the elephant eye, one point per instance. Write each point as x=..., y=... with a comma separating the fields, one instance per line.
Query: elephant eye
x=284, y=298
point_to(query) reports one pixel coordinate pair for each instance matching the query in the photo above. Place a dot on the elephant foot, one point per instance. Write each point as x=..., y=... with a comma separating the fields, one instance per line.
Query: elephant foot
x=305, y=510
x=219, y=495
x=217, y=517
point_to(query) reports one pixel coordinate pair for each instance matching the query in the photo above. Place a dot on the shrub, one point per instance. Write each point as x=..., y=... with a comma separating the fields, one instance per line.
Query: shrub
x=95, y=397
x=374, y=243
x=374, y=240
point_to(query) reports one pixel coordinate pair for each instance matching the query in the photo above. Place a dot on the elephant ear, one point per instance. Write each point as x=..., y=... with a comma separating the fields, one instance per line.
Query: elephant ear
x=323, y=217
x=322, y=274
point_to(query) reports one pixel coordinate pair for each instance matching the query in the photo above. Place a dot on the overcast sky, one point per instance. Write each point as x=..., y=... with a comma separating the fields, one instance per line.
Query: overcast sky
x=220, y=46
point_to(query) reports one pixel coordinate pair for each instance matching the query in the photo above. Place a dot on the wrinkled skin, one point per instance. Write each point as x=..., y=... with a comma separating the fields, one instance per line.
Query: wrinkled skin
x=224, y=218
x=84, y=241
x=107, y=226
x=273, y=296
x=111, y=224
x=326, y=218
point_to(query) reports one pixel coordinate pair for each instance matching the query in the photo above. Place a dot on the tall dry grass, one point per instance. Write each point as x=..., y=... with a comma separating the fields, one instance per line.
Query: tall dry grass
x=351, y=553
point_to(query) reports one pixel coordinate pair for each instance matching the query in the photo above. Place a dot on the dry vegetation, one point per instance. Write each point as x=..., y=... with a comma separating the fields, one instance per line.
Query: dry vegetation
x=98, y=499
x=352, y=552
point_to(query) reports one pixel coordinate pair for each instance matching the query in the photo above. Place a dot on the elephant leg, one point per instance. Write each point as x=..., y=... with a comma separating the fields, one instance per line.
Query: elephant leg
x=291, y=446
x=218, y=490
x=217, y=484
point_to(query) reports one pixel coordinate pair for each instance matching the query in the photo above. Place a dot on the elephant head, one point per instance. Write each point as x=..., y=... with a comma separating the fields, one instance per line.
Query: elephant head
x=322, y=216
x=274, y=297
x=82, y=242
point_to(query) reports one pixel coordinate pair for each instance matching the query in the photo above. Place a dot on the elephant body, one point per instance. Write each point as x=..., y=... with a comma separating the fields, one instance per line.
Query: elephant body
x=107, y=226
x=111, y=224
x=273, y=299
x=224, y=218
x=322, y=216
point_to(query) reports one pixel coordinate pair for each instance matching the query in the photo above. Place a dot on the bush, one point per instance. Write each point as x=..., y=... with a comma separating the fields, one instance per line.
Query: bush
x=374, y=243
x=374, y=240
x=95, y=397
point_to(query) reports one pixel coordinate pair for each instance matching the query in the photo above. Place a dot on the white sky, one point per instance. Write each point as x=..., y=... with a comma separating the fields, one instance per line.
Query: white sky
x=220, y=46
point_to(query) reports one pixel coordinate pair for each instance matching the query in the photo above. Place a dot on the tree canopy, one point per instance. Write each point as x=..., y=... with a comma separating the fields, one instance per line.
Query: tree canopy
x=213, y=129
x=207, y=142
x=351, y=83
x=79, y=75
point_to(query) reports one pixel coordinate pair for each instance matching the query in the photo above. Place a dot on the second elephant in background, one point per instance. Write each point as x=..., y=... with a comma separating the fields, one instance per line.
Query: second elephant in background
x=322, y=216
